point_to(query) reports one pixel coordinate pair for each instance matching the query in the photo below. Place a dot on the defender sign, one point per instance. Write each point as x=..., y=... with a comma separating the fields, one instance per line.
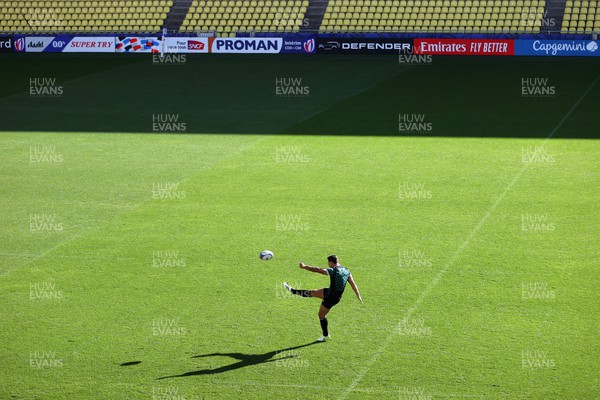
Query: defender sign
x=363, y=46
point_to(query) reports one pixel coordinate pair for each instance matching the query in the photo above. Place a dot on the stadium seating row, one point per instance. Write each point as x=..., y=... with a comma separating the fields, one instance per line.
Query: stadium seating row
x=577, y=3
x=229, y=16
x=575, y=14
x=83, y=10
x=408, y=9
x=229, y=31
x=226, y=17
x=241, y=14
x=82, y=17
x=581, y=17
x=437, y=14
x=222, y=26
x=240, y=3
x=91, y=26
x=232, y=20
x=443, y=22
x=53, y=4
x=582, y=10
x=434, y=15
x=432, y=26
x=519, y=16
x=91, y=22
x=79, y=16
x=244, y=9
x=439, y=3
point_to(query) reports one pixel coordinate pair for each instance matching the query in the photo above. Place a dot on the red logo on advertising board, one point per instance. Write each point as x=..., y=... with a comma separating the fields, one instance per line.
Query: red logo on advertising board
x=20, y=44
x=467, y=47
x=309, y=46
x=195, y=45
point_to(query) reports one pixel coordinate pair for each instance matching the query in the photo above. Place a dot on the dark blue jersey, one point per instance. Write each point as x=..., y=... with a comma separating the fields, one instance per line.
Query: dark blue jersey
x=338, y=277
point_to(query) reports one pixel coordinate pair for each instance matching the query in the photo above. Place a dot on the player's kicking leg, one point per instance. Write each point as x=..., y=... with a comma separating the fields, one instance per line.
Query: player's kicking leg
x=322, y=311
x=305, y=293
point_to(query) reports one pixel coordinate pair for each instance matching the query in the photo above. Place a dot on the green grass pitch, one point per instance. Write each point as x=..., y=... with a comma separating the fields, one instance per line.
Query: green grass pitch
x=129, y=261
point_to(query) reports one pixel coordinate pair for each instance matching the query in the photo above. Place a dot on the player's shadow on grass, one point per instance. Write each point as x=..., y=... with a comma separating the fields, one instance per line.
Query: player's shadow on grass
x=245, y=360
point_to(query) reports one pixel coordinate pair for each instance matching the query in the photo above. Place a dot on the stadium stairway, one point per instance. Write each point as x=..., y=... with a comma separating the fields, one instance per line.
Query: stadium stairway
x=553, y=16
x=177, y=15
x=314, y=15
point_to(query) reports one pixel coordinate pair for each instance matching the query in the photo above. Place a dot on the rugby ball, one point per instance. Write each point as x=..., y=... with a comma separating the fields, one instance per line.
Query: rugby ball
x=266, y=255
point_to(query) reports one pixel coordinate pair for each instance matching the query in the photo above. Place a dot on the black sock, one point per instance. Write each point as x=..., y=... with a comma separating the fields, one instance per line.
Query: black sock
x=299, y=292
x=324, y=326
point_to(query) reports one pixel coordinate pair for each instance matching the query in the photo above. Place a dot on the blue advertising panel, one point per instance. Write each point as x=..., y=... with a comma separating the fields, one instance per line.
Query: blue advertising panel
x=554, y=48
x=299, y=45
x=47, y=44
x=63, y=43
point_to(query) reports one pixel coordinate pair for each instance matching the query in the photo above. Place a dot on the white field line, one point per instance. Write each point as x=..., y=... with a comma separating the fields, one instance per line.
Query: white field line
x=352, y=387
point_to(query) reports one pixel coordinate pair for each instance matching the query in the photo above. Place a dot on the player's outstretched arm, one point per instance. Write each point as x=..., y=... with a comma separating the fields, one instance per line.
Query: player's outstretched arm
x=355, y=288
x=321, y=271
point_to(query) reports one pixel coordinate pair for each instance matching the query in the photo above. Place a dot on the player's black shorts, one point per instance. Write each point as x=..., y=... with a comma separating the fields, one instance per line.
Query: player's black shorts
x=330, y=298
